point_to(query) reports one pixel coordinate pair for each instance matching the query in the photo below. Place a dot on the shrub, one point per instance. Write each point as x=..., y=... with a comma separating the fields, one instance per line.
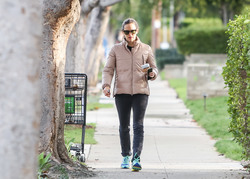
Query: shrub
x=236, y=75
x=201, y=40
x=168, y=56
x=201, y=22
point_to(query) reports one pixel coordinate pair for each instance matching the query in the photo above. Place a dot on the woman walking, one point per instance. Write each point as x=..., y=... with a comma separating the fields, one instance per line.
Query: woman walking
x=131, y=88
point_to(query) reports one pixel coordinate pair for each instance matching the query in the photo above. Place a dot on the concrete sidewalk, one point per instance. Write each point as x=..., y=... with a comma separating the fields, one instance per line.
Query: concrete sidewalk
x=175, y=147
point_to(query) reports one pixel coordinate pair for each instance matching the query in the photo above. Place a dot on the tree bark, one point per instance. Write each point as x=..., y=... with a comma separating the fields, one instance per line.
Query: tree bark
x=93, y=40
x=75, y=48
x=224, y=13
x=156, y=17
x=59, y=18
x=85, y=56
x=21, y=34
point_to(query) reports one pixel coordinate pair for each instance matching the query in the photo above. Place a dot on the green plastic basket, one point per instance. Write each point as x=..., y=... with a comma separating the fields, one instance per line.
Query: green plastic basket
x=69, y=104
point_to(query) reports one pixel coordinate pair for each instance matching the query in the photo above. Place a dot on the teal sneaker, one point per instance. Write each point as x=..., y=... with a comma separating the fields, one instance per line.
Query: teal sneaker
x=125, y=162
x=136, y=166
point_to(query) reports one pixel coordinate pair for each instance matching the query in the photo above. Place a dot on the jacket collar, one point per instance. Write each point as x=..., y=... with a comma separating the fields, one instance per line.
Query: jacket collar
x=137, y=41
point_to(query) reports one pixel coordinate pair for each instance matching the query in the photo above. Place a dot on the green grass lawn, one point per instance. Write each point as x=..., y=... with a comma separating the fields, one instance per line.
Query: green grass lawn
x=93, y=103
x=214, y=119
x=180, y=86
x=162, y=75
x=75, y=131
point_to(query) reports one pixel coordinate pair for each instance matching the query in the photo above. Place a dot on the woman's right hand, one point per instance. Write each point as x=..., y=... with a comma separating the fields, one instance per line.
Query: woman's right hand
x=106, y=91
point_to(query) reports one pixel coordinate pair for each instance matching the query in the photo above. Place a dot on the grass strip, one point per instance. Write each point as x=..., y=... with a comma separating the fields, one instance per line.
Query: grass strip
x=180, y=86
x=230, y=149
x=75, y=131
x=93, y=103
x=214, y=119
x=72, y=131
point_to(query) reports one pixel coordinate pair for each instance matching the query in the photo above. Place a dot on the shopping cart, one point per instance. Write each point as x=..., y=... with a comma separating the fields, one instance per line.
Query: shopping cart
x=75, y=106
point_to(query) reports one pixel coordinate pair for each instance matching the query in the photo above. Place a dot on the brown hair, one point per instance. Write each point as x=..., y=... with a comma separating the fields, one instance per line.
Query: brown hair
x=129, y=21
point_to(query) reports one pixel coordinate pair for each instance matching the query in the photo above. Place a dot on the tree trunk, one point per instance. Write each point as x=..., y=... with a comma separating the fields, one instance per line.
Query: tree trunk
x=20, y=32
x=156, y=24
x=93, y=40
x=59, y=18
x=75, y=48
x=85, y=56
x=224, y=13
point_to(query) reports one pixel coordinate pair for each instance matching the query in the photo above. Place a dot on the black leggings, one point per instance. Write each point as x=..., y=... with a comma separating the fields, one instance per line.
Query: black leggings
x=124, y=103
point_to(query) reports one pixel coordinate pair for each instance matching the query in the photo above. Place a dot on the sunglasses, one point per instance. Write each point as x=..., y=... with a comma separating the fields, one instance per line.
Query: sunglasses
x=126, y=32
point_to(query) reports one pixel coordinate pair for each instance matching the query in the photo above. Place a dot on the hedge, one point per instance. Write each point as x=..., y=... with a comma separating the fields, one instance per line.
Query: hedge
x=236, y=74
x=201, y=40
x=168, y=56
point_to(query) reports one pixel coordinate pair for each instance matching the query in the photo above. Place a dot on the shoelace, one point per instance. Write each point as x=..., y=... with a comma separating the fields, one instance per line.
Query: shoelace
x=126, y=159
x=137, y=159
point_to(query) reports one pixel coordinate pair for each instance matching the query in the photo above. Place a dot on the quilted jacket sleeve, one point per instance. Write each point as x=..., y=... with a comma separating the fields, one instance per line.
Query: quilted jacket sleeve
x=152, y=63
x=109, y=69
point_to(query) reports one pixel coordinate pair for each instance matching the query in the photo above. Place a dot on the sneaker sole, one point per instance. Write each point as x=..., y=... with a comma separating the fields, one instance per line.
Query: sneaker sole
x=136, y=169
x=133, y=170
x=125, y=167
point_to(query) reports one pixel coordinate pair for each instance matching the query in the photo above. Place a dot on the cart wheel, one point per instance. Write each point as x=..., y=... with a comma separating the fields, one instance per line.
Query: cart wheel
x=82, y=158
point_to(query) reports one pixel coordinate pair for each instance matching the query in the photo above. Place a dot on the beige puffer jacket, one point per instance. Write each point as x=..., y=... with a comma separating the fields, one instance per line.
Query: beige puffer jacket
x=126, y=64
